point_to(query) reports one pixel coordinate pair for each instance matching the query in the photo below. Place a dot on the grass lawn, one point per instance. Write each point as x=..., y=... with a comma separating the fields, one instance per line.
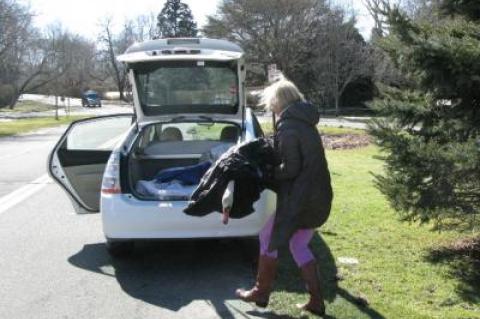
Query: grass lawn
x=25, y=125
x=29, y=106
x=397, y=271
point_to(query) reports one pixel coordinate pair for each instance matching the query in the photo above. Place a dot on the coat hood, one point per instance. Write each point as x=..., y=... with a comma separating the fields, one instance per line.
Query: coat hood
x=301, y=111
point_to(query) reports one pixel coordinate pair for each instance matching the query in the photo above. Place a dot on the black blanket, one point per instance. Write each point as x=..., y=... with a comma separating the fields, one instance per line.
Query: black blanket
x=249, y=165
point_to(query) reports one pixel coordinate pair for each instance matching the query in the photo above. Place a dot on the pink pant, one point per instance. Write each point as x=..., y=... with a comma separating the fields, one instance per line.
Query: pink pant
x=298, y=243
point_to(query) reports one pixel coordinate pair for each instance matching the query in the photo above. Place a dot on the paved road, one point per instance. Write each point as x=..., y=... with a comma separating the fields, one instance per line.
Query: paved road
x=54, y=263
x=341, y=121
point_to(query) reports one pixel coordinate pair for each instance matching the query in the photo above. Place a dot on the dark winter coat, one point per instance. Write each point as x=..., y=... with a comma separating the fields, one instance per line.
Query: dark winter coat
x=304, y=192
x=248, y=165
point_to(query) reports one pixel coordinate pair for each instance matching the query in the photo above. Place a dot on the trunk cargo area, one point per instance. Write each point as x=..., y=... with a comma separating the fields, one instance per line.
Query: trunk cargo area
x=144, y=164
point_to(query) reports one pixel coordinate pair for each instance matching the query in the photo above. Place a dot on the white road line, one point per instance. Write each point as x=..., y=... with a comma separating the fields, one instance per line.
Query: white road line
x=22, y=193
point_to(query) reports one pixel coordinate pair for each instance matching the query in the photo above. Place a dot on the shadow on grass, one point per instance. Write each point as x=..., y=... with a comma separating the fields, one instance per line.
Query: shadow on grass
x=289, y=280
x=463, y=260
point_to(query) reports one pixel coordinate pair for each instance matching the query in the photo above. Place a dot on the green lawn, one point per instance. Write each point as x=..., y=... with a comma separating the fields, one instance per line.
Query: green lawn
x=26, y=125
x=397, y=272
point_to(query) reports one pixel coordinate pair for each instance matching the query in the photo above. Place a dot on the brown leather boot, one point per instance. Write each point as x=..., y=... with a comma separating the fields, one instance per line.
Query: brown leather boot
x=316, y=304
x=260, y=293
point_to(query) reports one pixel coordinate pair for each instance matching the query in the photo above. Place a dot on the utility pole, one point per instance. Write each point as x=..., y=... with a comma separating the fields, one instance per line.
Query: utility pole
x=56, y=106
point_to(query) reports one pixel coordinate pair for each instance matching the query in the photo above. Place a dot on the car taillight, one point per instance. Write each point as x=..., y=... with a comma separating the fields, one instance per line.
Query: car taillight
x=111, y=176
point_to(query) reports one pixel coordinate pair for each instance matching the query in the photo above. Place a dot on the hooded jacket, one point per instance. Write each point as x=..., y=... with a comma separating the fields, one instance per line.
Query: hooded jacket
x=304, y=192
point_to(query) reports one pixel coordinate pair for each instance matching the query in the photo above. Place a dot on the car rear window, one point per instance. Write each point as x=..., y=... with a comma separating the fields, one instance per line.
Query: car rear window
x=187, y=87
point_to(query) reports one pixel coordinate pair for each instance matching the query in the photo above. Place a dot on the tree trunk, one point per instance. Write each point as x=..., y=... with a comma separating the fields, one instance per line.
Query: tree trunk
x=337, y=104
x=14, y=100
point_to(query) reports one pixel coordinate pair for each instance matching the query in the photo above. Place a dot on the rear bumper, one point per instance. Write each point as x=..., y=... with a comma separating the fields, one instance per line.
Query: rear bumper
x=126, y=217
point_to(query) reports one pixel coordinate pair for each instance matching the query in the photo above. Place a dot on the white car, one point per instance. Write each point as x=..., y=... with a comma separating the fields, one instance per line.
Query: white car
x=189, y=100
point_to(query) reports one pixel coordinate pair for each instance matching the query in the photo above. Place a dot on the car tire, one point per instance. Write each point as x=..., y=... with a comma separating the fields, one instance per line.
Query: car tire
x=119, y=248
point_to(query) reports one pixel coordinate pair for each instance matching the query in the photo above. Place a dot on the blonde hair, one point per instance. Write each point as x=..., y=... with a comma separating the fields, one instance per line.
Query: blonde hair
x=281, y=93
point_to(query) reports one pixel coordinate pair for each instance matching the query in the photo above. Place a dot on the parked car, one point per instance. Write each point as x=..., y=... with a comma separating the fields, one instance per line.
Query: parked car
x=100, y=162
x=91, y=99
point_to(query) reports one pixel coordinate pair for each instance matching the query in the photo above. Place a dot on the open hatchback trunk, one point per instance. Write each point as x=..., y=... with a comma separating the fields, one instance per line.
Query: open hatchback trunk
x=185, y=78
x=189, y=100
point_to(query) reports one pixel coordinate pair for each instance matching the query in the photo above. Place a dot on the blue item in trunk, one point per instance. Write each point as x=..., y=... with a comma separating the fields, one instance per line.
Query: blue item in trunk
x=188, y=175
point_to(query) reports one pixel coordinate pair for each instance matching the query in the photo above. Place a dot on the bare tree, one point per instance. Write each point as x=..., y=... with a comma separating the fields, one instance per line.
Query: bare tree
x=311, y=42
x=15, y=30
x=15, y=23
x=112, y=47
x=29, y=59
x=145, y=27
x=35, y=62
x=345, y=58
x=281, y=32
x=79, y=61
x=113, y=43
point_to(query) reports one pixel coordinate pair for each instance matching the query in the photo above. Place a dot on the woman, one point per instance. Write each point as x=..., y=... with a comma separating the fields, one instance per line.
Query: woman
x=304, y=195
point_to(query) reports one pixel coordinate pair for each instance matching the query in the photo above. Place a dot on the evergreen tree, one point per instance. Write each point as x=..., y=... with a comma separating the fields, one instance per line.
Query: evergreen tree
x=176, y=20
x=430, y=129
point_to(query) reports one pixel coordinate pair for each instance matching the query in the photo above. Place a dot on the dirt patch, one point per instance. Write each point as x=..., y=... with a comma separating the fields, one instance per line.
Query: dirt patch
x=467, y=247
x=463, y=258
x=346, y=141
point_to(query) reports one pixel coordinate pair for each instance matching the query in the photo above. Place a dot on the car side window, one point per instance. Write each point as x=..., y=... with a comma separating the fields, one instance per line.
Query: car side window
x=148, y=135
x=257, y=128
x=97, y=134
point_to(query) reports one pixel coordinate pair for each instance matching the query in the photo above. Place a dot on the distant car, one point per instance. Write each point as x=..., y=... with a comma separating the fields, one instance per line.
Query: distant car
x=91, y=99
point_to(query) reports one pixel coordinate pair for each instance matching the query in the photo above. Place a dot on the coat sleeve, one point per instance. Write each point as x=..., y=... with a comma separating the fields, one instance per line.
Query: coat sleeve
x=290, y=156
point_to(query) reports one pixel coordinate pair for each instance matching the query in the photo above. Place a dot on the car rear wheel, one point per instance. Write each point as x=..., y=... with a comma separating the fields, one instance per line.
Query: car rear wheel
x=119, y=248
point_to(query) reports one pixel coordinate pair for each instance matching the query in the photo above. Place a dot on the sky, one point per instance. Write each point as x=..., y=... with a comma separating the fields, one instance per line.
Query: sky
x=83, y=16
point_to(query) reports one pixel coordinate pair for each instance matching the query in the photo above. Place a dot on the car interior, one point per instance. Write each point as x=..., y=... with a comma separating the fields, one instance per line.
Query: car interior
x=162, y=146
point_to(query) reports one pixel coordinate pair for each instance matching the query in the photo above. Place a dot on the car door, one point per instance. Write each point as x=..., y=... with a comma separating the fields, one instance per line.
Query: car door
x=78, y=160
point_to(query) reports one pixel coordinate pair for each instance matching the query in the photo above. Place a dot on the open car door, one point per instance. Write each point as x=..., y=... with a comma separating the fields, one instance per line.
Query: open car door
x=78, y=160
